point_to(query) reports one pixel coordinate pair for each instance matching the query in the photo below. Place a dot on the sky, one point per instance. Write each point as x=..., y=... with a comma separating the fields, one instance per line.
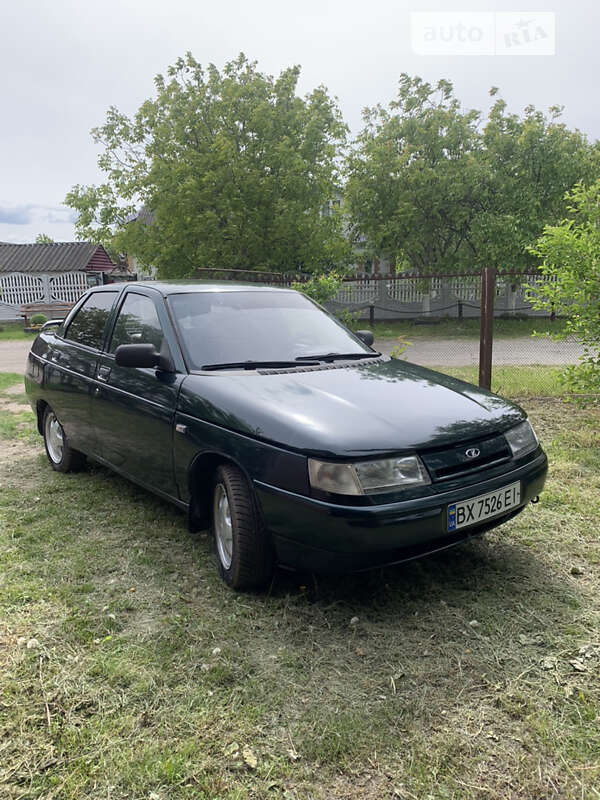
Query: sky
x=63, y=63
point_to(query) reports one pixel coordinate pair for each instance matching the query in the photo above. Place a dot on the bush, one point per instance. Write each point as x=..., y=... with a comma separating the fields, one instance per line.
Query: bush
x=322, y=288
x=38, y=319
x=570, y=255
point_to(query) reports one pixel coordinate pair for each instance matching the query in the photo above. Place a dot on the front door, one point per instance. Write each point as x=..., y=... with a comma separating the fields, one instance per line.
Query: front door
x=72, y=364
x=133, y=409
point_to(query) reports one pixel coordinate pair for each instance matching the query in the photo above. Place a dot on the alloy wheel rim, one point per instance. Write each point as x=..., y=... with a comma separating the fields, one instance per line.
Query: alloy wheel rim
x=223, y=526
x=54, y=438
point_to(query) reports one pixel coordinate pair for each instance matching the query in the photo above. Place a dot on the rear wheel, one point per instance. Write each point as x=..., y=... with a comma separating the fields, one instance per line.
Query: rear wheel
x=243, y=547
x=61, y=456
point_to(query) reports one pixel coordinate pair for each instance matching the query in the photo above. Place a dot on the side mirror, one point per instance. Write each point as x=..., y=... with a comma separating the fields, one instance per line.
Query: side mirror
x=365, y=336
x=142, y=355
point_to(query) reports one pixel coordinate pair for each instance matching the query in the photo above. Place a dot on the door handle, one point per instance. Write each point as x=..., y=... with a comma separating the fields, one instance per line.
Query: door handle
x=103, y=373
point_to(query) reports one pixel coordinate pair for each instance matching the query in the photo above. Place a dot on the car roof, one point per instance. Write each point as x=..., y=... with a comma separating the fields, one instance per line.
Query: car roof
x=194, y=286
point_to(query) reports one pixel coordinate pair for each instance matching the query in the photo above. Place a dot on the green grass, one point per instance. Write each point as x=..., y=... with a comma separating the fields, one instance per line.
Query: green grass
x=465, y=329
x=9, y=379
x=130, y=671
x=12, y=331
x=515, y=382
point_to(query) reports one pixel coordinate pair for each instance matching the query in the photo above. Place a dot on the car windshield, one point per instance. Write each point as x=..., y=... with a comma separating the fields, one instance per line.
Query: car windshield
x=238, y=326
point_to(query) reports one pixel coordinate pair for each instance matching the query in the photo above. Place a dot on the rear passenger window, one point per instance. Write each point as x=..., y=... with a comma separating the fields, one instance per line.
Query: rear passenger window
x=88, y=324
x=137, y=323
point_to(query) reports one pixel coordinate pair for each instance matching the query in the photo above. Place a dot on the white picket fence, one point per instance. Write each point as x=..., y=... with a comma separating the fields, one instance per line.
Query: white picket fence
x=19, y=288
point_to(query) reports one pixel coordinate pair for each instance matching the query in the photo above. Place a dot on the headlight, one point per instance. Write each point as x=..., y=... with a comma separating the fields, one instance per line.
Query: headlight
x=521, y=439
x=367, y=477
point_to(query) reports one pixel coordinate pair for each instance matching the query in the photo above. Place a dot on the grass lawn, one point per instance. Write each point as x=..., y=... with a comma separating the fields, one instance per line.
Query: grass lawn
x=130, y=671
x=515, y=382
x=9, y=379
x=11, y=331
x=464, y=329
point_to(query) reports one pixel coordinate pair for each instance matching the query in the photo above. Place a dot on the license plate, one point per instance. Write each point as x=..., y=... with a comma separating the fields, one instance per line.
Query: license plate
x=486, y=506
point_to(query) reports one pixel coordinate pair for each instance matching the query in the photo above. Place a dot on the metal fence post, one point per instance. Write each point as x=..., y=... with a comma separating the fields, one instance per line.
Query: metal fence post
x=486, y=331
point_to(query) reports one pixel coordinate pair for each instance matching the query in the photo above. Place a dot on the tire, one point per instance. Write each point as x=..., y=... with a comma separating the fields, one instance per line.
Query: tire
x=242, y=545
x=62, y=458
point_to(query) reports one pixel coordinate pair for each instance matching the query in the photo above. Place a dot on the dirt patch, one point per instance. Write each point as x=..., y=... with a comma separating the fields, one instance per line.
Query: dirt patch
x=11, y=452
x=14, y=408
x=17, y=388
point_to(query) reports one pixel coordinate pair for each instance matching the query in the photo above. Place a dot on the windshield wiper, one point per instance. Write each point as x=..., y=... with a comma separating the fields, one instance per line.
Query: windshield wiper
x=256, y=365
x=337, y=356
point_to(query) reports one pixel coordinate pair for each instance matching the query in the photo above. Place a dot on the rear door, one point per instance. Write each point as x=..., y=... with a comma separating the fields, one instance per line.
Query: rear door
x=133, y=409
x=71, y=368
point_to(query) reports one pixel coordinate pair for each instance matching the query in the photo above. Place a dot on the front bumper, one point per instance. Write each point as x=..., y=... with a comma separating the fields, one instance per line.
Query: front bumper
x=325, y=537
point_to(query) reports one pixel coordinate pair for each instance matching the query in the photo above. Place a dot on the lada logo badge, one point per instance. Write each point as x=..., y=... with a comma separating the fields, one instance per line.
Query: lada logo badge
x=473, y=452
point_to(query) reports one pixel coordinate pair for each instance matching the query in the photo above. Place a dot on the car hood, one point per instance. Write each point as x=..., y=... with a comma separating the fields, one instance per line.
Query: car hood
x=378, y=407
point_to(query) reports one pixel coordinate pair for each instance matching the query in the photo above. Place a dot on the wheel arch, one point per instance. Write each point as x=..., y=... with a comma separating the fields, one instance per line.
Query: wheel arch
x=200, y=474
x=40, y=409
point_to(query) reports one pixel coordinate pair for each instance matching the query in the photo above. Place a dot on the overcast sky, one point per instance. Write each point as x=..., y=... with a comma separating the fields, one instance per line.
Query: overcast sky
x=64, y=62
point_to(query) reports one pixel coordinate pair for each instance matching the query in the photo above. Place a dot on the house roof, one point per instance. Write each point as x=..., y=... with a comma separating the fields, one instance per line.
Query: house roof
x=54, y=257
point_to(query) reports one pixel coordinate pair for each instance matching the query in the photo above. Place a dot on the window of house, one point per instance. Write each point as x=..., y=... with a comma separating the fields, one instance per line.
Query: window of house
x=137, y=323
x=88, y=325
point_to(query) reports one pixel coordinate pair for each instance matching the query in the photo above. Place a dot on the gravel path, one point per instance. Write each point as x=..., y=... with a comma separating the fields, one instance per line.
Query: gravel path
x=428, y=352
x=465, y=352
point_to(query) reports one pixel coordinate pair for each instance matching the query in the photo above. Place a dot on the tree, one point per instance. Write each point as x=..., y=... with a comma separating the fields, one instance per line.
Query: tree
x=230, y=168
x=43, y=238
x=414, y=177
x=434, y=188
x=531, y=162
x=570, y=257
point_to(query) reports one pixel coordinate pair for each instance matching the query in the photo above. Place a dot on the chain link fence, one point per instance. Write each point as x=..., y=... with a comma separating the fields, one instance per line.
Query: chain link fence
x=523, y=364
x=436, y=322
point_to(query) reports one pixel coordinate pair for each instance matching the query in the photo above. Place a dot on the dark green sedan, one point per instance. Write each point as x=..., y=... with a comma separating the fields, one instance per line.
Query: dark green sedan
x=268, y=421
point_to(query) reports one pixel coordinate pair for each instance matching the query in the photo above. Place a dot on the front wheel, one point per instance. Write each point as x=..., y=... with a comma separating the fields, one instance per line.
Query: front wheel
x=243, y=547
x=61, y=456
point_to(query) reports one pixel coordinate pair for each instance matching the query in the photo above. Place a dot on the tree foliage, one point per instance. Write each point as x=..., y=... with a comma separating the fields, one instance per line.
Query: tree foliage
x=432, y=187
x=43, y=238
x=531, y=161
x=413, y=179
x=321, y=288
x=569, y=255
x=231, y=168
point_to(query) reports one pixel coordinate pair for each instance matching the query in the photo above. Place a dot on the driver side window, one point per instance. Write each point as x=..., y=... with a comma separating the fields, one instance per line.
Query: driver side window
x=137, y=323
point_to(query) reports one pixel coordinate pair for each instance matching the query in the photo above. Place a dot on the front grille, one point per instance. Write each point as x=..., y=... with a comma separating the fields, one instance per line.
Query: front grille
x=452, y=462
